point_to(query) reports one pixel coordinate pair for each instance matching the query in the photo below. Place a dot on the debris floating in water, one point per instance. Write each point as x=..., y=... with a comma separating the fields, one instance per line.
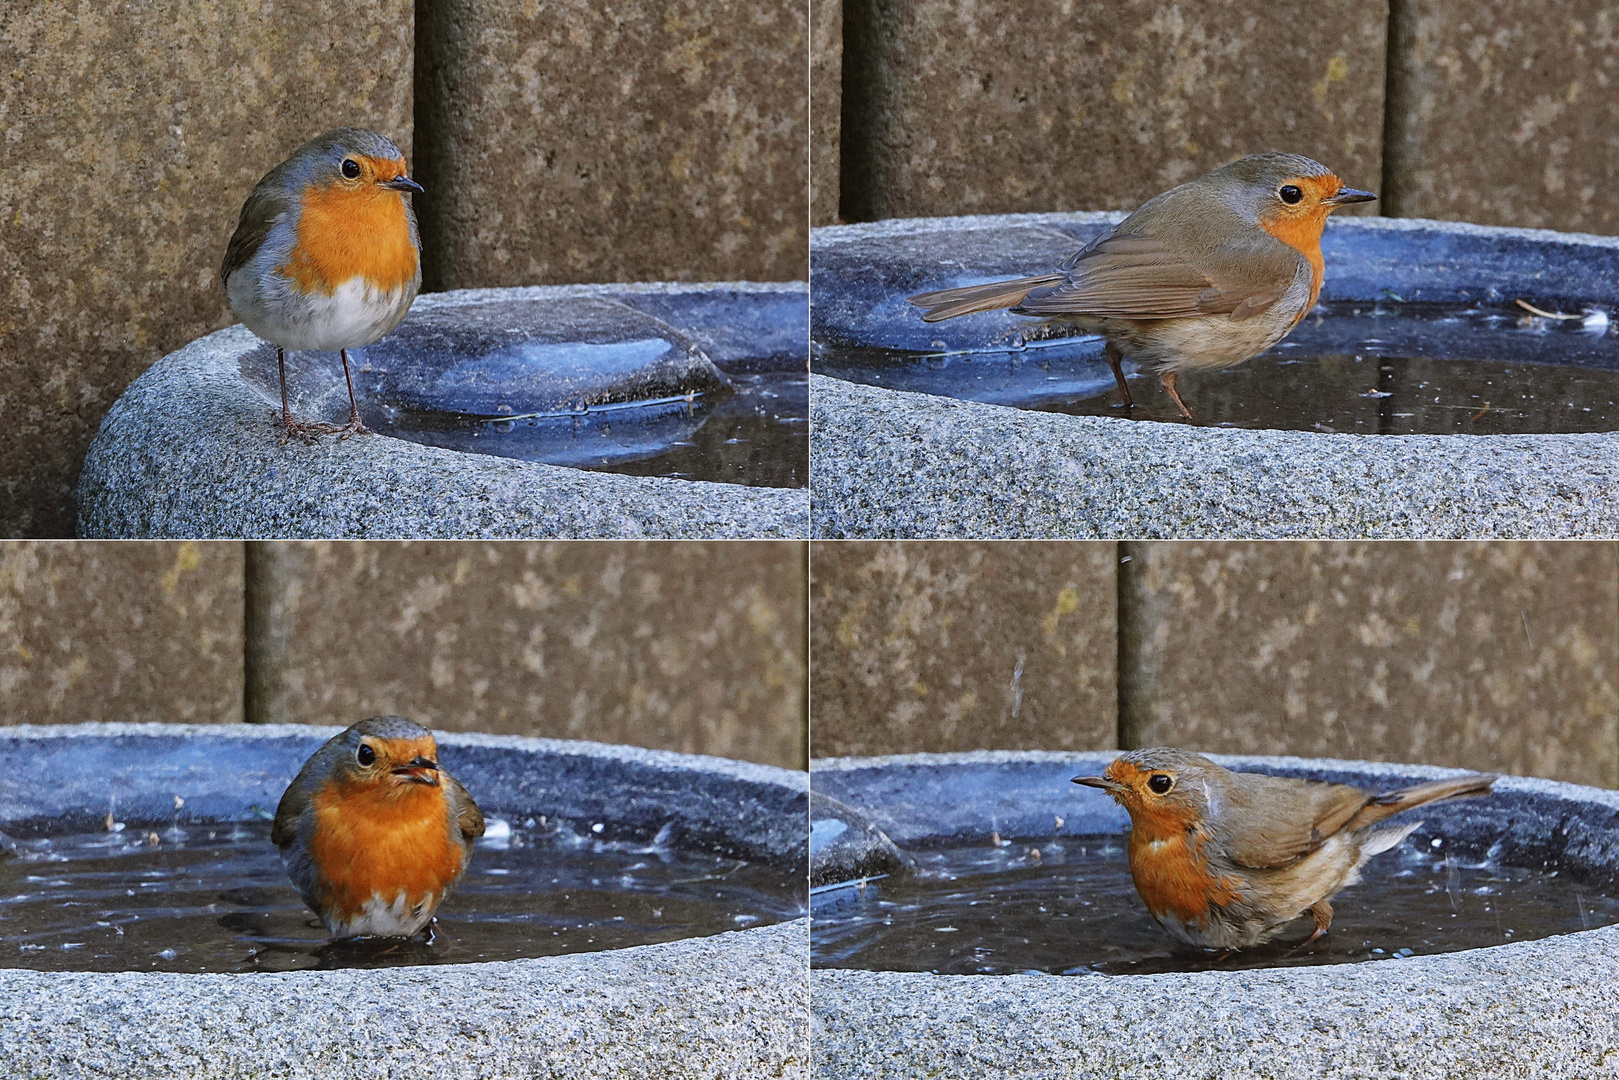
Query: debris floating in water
x=1592, y=320
x=1533, y=310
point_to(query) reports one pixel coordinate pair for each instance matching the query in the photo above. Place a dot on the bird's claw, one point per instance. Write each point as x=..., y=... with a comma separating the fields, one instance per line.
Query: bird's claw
x=308, y=432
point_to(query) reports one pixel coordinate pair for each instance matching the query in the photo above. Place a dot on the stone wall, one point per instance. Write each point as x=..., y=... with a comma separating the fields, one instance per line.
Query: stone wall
x=961, y=646
x=826, y=92
x=1504, y=114
x=1498, y=656
x=576, y=141
x=1471, y=111
x=110, y=631
x=563, y=142
x=1501, y=656
x=1002, y=106
x=684, y=646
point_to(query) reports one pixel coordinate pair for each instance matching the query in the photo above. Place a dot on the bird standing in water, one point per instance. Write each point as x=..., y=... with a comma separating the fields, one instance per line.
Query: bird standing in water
x=1203, y=276
x=373, y=832
x=1225, y=860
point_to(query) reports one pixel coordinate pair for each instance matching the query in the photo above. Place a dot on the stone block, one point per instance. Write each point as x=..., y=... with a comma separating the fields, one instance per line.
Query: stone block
x=826, y=108
x=1503, y=114
x=1003, y=106
x=133, y=132
x=1500, y=657
x=120, y=632
x=576, y=142
x=962, y=646
x=682, y=646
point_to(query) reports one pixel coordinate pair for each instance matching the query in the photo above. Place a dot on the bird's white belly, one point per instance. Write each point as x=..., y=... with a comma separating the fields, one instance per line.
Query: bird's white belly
x=354, y=314
x=390, y=918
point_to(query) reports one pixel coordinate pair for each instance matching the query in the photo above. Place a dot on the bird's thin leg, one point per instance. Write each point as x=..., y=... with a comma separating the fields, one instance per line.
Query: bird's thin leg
x=1168, y=379
x=293, y=428
x=1321, y=912
x=354, y=426
x=281, y=363
x=1114, y=359
x=290, y=427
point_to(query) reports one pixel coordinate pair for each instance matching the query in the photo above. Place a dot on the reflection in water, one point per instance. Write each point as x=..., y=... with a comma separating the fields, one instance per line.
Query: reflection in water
x=215, y=898
x=1388, y=369
x=752, y=433
x=1068, y=906
x=534, y=378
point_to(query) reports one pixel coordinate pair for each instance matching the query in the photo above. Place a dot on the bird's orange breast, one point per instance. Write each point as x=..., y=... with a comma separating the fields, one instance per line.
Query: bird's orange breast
x=344, y=232
x=378, y=839
x=1171, y=869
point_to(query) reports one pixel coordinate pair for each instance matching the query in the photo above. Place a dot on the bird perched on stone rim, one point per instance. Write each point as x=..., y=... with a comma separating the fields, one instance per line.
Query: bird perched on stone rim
x=373, y=832
x=326, y=255
x=1225, y=860
x=1203, y=276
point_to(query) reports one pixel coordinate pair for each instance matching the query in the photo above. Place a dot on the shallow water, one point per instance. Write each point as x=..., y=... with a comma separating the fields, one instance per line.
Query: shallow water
x=755, y=434
x=1384, y=369
x=1072, y=909
x=215, y=898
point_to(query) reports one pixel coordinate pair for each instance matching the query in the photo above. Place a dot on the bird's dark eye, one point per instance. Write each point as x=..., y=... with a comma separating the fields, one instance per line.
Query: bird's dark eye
x=351, y=169
x=1160, y=783
x=1290, y=194
x=367, y=756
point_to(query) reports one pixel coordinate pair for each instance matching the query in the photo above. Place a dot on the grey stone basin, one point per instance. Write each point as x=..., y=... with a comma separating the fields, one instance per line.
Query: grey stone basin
x=558, y=411
x=730, y=1005
x=908, y=459
x=1531, y=1008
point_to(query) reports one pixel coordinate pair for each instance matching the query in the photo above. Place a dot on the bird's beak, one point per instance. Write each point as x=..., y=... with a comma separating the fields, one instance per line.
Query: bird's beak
x=1112, y=787
x=1347, y=195
x=420, y=771
x=405, y=183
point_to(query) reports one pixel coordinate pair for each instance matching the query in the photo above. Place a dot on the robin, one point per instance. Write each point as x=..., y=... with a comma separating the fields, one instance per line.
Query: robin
x=373, y=833
x=326, y=255
x=1225, y=860
x=1205, y=275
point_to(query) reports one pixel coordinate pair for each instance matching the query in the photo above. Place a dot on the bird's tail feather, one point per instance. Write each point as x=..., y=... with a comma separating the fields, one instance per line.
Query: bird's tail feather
x=948, y=303
x=1393, y=802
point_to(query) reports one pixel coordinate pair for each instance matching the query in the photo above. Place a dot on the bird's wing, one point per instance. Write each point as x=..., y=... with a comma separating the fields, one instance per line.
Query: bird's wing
x=293, y=803
x=267, y=205
x=467, y=815
x=1128, y=276
x=1283, y=819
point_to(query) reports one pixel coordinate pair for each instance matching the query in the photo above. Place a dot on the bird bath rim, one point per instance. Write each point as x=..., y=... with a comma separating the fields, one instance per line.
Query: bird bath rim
x=188, y=451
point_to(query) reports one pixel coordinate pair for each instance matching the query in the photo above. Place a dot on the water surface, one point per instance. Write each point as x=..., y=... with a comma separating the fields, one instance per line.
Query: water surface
x=1068, y=907
x=1372, y=369
x=215, y=898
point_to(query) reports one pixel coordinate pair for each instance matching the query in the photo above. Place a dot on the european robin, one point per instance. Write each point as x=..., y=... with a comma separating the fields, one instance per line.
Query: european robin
x=326, y=255
x=373, y=832
x=1225, y=860
x=1205, y=275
